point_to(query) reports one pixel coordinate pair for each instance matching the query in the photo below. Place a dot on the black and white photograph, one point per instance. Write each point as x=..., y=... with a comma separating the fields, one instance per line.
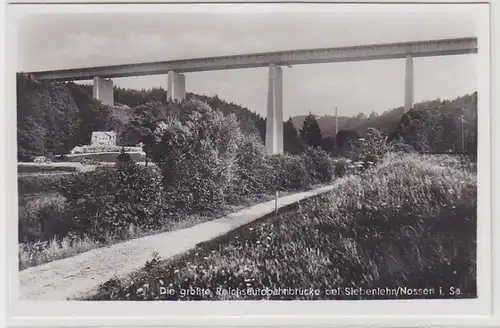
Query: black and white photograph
x=249, y=156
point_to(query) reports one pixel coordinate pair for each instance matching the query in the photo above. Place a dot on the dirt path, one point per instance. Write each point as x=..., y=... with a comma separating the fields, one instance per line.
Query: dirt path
x=78, y=275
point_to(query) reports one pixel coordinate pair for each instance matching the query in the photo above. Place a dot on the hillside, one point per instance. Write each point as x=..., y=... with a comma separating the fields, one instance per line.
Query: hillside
x=389, y=121
x=52, y=118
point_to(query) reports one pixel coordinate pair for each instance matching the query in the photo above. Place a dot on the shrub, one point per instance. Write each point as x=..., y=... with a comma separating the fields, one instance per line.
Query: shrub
x=289, y=172
x=400, y=147
x=43, y=217
x=319, y=165
x=254, y=171
x=108, y=200
x=373, y=146
x=42, y=183
x=124, y=158
x=342, y=167
x=197, y=157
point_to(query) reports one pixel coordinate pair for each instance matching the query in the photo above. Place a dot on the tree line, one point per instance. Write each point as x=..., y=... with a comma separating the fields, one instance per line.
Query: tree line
x=53, y=118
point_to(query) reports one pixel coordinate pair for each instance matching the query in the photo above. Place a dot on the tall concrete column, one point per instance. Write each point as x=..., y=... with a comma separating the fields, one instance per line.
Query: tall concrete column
x=176, y=87
x=103, y=91
x=409, y=87
x=274, y=124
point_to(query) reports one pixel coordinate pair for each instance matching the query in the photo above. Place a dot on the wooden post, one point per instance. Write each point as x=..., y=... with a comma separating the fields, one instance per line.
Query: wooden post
x=276, y=202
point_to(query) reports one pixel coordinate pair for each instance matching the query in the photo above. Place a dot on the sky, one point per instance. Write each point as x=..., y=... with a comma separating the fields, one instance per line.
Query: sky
x=58, y=41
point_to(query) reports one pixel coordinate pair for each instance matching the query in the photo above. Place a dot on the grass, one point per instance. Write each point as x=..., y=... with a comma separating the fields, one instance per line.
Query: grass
x=40, y=183
x=410, y=222
x=38, y=252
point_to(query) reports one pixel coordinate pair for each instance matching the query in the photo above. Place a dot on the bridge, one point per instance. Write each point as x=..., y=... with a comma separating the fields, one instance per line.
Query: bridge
x=176, y=69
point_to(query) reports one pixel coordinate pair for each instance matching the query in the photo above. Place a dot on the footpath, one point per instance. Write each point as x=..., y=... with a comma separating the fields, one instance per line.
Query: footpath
x=76, y=276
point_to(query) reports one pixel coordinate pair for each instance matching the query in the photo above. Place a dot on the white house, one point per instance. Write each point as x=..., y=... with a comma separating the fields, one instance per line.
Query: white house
x=107, y=138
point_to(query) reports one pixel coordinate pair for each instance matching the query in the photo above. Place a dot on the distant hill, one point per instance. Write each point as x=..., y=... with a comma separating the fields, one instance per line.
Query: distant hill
x=389, y=120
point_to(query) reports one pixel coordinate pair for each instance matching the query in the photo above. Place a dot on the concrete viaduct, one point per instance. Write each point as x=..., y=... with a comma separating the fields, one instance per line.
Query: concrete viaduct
x=175, y=69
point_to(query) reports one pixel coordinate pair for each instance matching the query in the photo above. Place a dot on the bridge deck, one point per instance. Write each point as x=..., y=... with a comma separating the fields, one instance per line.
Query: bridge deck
x=293, y=57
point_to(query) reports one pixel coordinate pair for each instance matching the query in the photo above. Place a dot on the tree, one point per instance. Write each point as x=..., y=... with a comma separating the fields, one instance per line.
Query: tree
x=291, y=141
x=345, y=137
x=197, y=156
x=310, y=132
x=373, y=116
x=329, y=145
x=361, y=116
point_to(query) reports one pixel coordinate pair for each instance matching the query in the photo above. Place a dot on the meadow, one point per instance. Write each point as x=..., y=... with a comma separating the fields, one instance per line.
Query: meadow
x=409, y=221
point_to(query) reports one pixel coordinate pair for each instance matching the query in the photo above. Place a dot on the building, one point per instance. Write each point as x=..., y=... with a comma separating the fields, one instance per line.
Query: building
x=105, y=138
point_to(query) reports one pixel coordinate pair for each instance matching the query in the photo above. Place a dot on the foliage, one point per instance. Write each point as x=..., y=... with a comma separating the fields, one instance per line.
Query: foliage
x=374, y=146
x=254, y=171
x=43, y=217
x=39, y=252
x=291, y=142
x=124, y=158
x=399, y=147
x=411, y=222
x=319, y=165
x=342, y=167
x=436, y=127
x=250, y=122
x=44, y=168
x=346, y=142
x=310, y=133
x=54, y=118
x=197, y=157
x=289, y=172
x=108, y=200
x=32, y=184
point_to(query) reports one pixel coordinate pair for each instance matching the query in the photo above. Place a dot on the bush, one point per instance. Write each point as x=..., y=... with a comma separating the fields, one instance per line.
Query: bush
x=343, y=167
x=400, y=147
x=319, y=165
x=124, y=158
x=254, y=170
x=109, y=200
x=43, y=217
x=373, y=146
x=42, y=183
x=289, y=172
x=197, y=156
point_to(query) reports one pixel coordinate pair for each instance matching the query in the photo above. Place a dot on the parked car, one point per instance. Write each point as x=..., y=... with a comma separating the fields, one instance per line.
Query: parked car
x=42, y=160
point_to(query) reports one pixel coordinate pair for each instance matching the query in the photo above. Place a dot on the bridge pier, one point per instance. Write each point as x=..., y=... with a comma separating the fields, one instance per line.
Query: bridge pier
x=103, y=91
x=274, y=124
x=409, y=87
x=176, y=86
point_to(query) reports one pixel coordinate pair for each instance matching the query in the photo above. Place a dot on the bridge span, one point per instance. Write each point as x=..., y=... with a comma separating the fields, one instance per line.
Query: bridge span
x=176, y=69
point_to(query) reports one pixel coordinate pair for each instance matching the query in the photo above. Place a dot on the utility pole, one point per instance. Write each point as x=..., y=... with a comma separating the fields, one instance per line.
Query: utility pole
x=336, y=122
x=462, y=132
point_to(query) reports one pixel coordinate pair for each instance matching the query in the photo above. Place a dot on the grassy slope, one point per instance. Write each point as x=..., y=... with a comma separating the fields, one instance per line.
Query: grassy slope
x=36, y=253
x=410, y=222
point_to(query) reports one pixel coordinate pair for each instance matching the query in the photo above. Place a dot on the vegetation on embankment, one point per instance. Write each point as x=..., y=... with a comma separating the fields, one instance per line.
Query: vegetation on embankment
x=53, y=118
x=204, y=166
x=409, y=222
x=21, y=169
x=36, y=184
